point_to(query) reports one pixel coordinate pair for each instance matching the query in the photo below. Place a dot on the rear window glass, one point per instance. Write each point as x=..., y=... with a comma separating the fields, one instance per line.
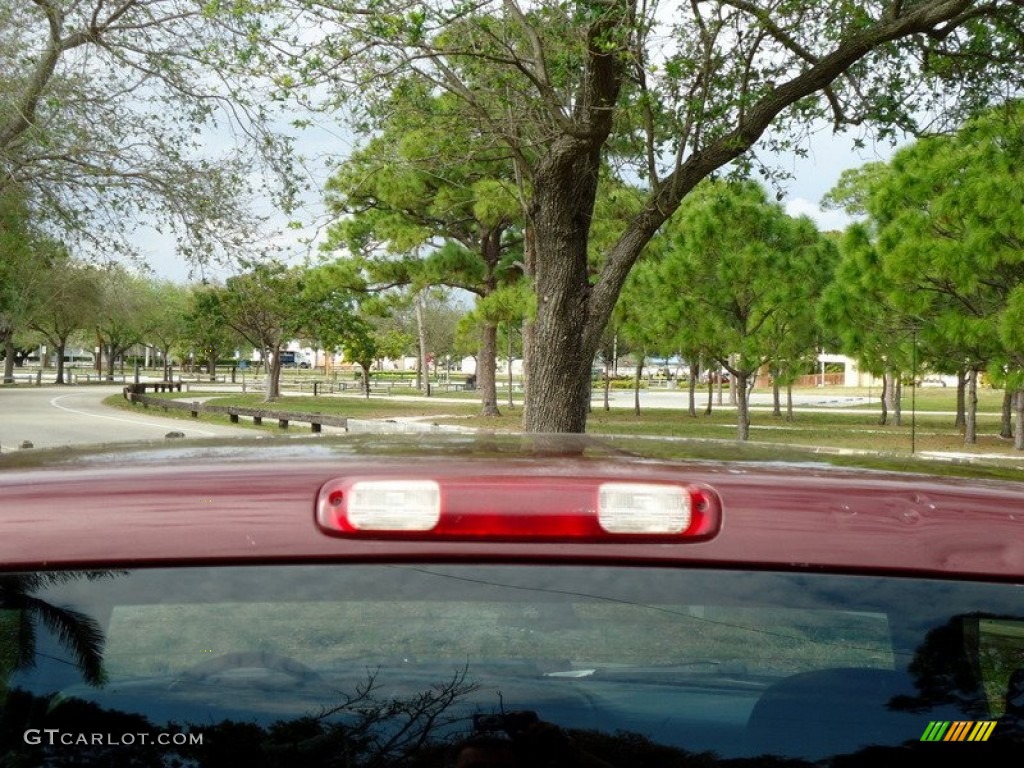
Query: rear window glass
x=413, y=665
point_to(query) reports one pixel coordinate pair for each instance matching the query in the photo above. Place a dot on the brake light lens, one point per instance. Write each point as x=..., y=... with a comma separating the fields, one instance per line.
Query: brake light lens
x=394, y=505
x=517, y=508
x=643, y=508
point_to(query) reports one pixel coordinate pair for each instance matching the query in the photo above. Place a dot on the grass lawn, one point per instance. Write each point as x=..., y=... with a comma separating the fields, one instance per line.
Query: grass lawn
x=853, y=427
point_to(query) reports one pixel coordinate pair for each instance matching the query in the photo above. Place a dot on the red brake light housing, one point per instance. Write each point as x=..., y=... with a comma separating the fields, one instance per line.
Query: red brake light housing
x=518, y=508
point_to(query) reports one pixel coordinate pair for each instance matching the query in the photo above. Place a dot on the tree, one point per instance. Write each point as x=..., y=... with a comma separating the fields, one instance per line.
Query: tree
x=652, y=324
x=21, y=264
x=168, y=324
x=420, y=184
x=69, y=297
x=855, y=306
x=798, y=337
x=361, y=348
x=507, y=309
x=79, y=634
x=744, y=277
x=952, y=248
x=441, y=315
x=638, y=323
x=338, y=312
x=944, y=220
x=107, y=111
x=124, y=315
x=1011, y=322
x=265, y=306
x=206, y=334
x=672, y=94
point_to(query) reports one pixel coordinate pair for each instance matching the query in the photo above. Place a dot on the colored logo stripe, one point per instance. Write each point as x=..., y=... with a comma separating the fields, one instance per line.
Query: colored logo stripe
x=935, y=731
x=982, y=730
x=960, y=730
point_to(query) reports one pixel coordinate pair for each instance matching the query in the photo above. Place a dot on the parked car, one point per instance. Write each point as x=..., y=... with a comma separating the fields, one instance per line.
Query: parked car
x=565, y=603
x=290, y=359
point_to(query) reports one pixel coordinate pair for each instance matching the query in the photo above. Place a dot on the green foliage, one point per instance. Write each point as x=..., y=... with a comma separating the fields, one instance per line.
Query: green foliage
x=125, y=311
x=855, y=308
x=950, y=240
x=19, y=262
x=170, y=306
x=425, y=202
x=740, y=278
x=514, y=304
x=586, y=95
x=107, y=110
x=738, y=281
x=264, y=304
x=206, y=333
x=851, y=192
x=69, y=298
x=507, y=307
x=328, y=302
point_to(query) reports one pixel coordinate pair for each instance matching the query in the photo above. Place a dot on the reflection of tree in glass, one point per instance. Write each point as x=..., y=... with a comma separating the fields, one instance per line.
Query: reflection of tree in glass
x=363, y=730
x=946, y=670
x=391, y=731
x=78, y=633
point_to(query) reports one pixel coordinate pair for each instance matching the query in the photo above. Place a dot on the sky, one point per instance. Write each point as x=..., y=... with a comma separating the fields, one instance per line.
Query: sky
x=816, y=174
x=811, y=178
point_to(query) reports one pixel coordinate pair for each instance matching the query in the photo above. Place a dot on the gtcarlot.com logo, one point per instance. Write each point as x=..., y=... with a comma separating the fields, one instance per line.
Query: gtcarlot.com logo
x=54, y=736
x=958, y=730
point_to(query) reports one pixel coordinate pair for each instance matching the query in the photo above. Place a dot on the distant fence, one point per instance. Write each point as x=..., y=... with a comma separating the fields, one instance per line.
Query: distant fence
x=135, y=393
x=332, y=387
x=28, y=378
x=48, y=376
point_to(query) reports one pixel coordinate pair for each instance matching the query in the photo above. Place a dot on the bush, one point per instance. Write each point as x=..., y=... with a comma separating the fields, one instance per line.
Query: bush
x=618, y=382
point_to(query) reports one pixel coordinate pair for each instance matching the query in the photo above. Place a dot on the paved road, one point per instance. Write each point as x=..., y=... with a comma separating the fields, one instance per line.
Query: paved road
x=58, y=416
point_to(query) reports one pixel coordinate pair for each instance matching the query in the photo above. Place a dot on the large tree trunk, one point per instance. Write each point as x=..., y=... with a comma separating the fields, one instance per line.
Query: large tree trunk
x=567, y=331
x=570, y=319
x=1006, y=423
x=572, y=309
x=486, y=370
